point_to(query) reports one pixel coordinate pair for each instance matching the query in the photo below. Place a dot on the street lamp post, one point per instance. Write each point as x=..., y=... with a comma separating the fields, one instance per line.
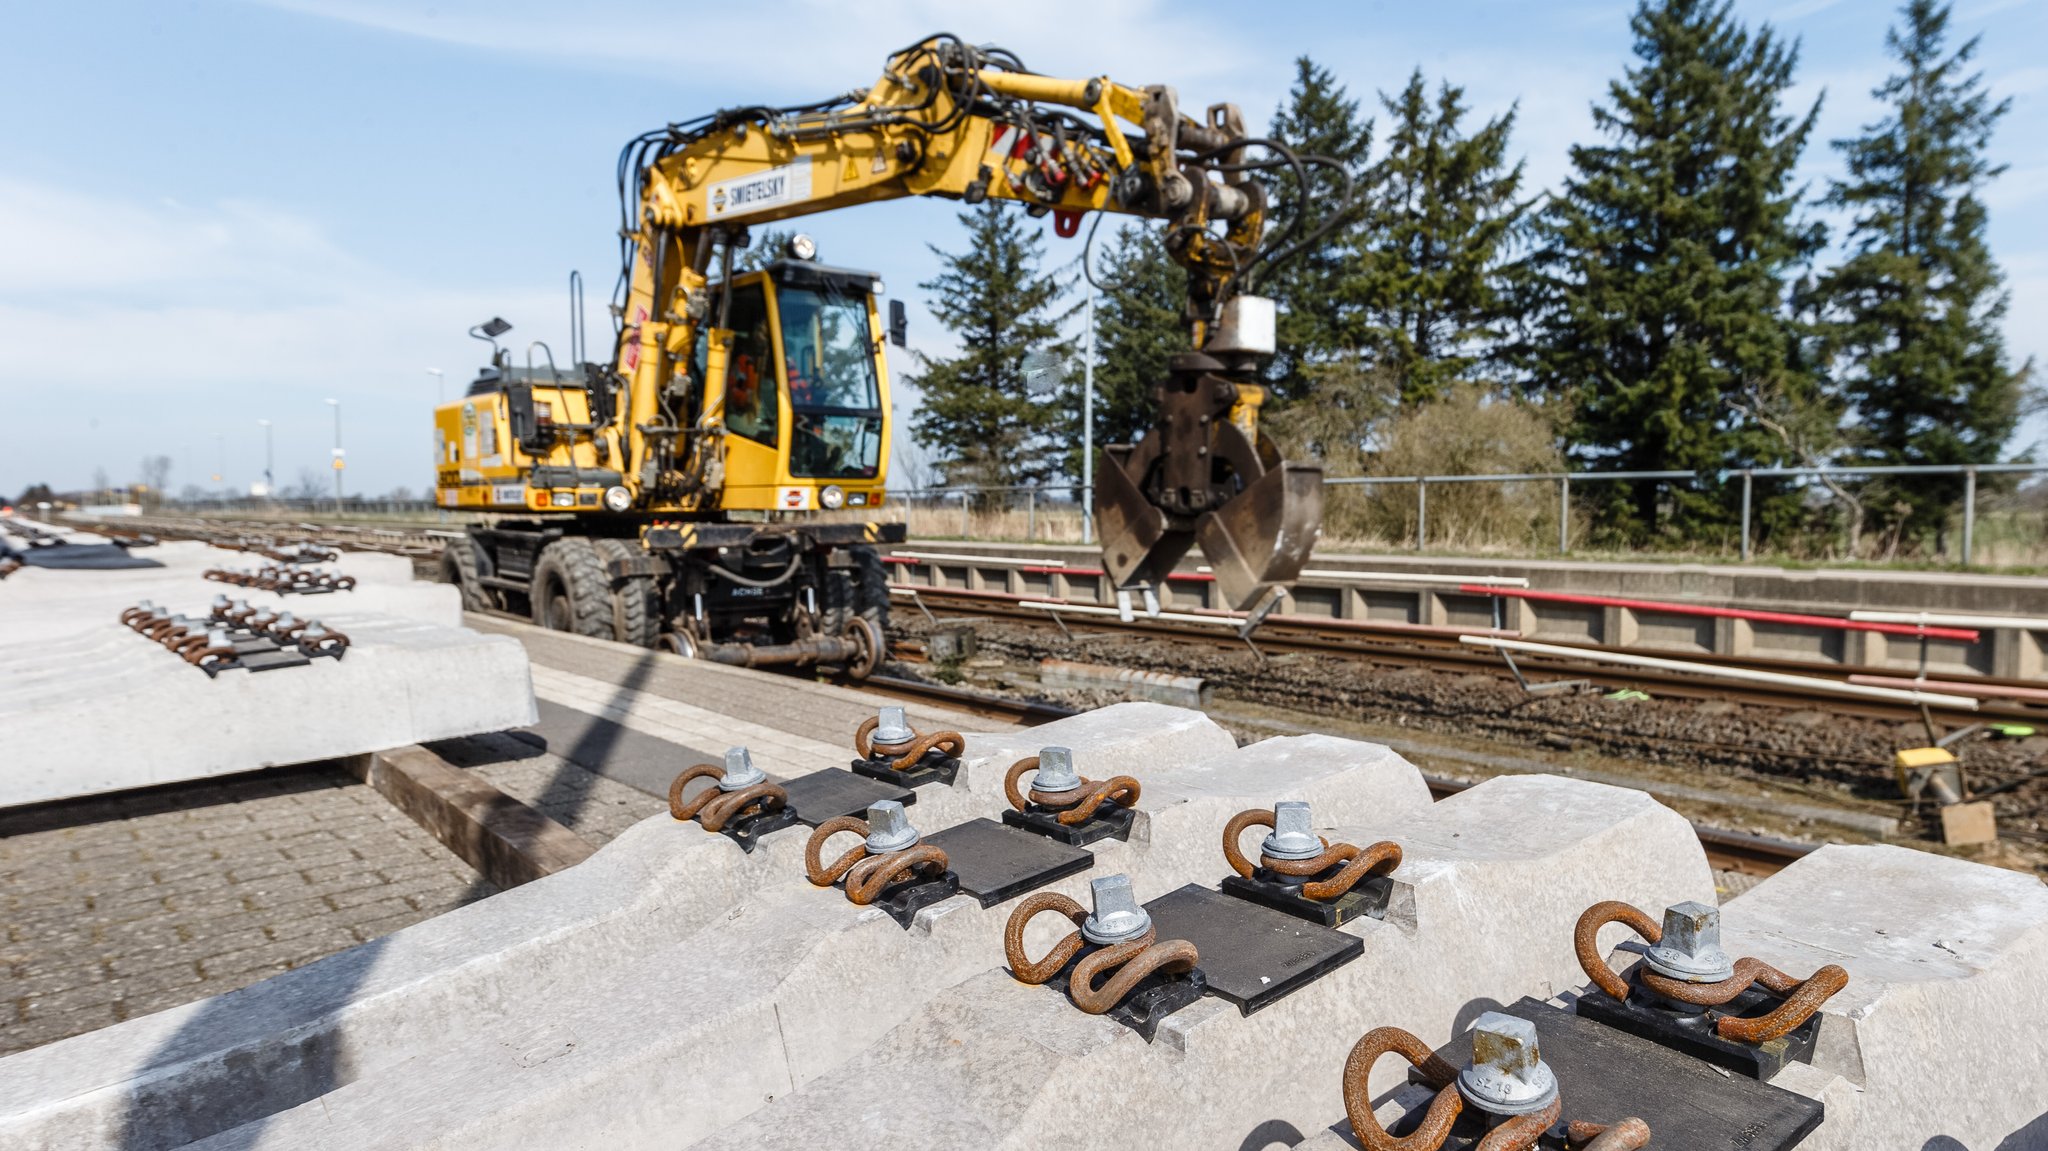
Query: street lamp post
x=336, y=405
x=440, y=390
x=269, y=461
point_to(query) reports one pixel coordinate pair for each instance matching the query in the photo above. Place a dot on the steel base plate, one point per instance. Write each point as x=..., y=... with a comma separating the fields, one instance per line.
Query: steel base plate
x=747, y=831
x=1647, y=1015
x=995, y=863
x=1253, y=956
x=935, y=767
x=1283, y=893
x=1154, y=998
x=1110, y=821
x=1605, y=1075
x=831, y=793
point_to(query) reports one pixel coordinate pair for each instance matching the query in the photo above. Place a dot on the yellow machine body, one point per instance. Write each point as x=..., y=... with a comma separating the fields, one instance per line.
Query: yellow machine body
x=802, y=394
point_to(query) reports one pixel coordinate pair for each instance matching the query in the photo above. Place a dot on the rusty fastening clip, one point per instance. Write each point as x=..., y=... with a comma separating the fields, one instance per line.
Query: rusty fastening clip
x=1057, y=787
x=1507, y=1079
x=741, y=790
x=1631, y=1134
x=1296, y=852
x=887, y=739
x=317, y=640
x=134, y=616
x=1126, y=945
x=1685, y=965
x=211, y=653
x=889, y=853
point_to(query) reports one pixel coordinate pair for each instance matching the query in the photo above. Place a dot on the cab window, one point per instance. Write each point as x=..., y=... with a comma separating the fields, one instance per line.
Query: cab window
x=835, y=401
x=751, y=406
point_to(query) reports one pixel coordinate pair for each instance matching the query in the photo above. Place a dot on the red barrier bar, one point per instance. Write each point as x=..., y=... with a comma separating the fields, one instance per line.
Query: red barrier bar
x=1912, y=629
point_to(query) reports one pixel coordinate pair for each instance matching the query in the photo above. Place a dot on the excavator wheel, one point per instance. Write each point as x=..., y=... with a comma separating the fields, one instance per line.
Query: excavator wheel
x=861, y=591
x=635, y=609
x=571, y=589
x=458, y=567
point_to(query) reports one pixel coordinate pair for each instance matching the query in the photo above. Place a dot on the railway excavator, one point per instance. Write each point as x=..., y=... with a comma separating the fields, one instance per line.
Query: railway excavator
x=715, y=485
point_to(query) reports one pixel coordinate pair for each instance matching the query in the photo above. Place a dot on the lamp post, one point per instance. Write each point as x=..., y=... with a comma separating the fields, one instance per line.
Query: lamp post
x=440, y=388
x=336, y=405
x=1088, y=424
x=269, y=461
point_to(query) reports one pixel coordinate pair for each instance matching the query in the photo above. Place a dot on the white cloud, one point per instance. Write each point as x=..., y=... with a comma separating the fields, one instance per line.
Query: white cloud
x=136, y=328
x=811, y=44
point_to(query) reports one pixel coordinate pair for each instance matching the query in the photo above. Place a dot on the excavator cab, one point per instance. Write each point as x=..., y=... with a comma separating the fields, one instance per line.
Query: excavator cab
x=804, y=394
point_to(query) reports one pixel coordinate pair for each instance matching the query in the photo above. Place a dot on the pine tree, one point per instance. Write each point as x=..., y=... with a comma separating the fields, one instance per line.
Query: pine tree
x=1316, y=290
x=1664, y=261
x=978, y=419
x=1912, y=313
x=1138, y=328
x=1435, y=239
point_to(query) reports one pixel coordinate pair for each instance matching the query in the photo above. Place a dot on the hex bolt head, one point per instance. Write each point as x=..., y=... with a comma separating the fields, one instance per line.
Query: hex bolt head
x=1055, y=771
x=217, y=637
x=1293, y=835
x=314, y=630
x=892, y=728
x=889, y=828
x=1507, y=1075
x=1117, y=916
x=740, y=771
x=1691, y=946
x=287, y=620
x=220, y=601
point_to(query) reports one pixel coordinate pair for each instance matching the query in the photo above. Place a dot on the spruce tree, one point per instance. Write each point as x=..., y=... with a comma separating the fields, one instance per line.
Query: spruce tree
x=1317, y=290
x=1138, y=328
x=1434, y=240
x=978, y=420
x=1664, y=260
x=1912, y=313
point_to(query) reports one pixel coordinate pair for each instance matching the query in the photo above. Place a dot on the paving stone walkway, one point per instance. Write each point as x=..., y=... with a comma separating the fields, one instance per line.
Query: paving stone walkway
x=126, y=905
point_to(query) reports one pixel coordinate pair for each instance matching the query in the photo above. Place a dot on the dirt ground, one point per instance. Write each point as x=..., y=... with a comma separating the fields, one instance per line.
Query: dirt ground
x=1800, y=775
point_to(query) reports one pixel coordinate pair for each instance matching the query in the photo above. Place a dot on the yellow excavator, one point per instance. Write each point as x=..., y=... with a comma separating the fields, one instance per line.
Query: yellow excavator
x=716, y=485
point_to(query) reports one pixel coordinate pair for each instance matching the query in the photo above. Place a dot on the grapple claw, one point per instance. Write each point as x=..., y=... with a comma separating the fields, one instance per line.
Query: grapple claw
x=1261, y=537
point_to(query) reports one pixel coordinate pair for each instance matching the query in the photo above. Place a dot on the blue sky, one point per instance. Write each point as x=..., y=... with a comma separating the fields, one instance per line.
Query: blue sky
x=219, y=211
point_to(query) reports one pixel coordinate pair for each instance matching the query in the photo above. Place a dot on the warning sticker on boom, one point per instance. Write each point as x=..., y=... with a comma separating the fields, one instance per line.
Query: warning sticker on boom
x=787, y=184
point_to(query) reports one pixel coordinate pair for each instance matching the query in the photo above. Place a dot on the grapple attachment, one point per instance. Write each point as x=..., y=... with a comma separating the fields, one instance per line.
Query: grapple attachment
x=1200, y=477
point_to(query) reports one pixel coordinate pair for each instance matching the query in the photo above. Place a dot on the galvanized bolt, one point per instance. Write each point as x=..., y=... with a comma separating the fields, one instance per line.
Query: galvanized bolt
x=1293, y=837
x=740, y=771
x=217, y=637
x=1507, y=1075
x=287, y=620
x=313, y=630
x=1055, y=771
x=1691, y=946
x=892, y=728
x=220, y=601
x=889, y=828
x=1117, y=916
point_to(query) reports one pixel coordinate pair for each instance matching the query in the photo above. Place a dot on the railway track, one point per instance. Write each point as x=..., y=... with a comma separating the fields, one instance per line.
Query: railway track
x=1394, y=649
x=1397, y=648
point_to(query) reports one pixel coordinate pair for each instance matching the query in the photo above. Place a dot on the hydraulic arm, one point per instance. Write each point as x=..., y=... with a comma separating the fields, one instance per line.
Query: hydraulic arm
x=947, y=119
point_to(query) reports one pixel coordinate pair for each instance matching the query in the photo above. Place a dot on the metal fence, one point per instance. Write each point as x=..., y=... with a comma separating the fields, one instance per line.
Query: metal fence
x=1068, y=501
x=1054, y=511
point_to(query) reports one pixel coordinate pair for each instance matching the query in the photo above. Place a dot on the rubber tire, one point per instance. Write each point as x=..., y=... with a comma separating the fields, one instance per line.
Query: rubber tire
x=458, y=567
x=860, y=591
x=636, y=610
x=584, y=605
